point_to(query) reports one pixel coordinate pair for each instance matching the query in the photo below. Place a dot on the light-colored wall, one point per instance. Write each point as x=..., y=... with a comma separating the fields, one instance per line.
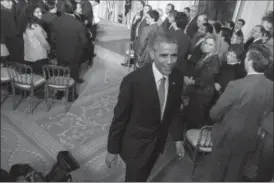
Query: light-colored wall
x=252, y=12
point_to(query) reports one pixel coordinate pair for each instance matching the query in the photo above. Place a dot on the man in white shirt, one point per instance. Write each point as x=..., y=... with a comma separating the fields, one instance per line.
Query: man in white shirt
x=148, y=103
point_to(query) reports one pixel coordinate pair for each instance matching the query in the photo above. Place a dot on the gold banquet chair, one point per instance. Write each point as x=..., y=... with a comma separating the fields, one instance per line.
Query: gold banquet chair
x=198, y=142
x=28, y=83
x=5, y=82
x=130, y=56
x=58, y=79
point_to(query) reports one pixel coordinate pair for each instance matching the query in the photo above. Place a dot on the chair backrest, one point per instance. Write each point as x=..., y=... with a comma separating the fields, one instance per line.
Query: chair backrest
x=204, y=140
x=57, y=75
x=20, y=74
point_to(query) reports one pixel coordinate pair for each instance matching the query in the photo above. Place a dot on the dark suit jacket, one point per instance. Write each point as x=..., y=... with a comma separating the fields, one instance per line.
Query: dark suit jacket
x=183, y=48
x=267, y=123
x=192, y=27
x=251, y=42
x=147, y=39
x=142, y=24
x=237, y=113
x=166, y=25
x=239, y=31
x=70, y=38
x=134, y=25
x=137, y=127
x=47, y=20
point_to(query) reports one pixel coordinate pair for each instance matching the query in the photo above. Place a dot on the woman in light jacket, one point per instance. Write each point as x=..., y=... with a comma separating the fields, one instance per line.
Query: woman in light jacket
x=35, y=39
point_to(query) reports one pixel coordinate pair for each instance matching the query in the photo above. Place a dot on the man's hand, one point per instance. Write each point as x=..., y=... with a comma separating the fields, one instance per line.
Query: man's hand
x=111, y=159
x=217, y=86
x=180, y=149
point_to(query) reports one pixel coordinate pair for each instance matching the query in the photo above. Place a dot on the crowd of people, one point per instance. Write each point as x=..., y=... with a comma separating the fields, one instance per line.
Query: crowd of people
x=227, y=78
x=39, y=31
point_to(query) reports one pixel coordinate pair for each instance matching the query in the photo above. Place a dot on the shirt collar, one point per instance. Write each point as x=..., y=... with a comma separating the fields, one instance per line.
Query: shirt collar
x=157, y=74
x=254, y=73
x=257, y=39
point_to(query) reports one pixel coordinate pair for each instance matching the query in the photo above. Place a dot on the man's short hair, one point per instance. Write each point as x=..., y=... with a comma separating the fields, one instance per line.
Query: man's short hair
x=181, y=20
x=208, y=27
x=187, y=8
x=217, y=26
x=231, y=24
x=154, y=14
x=227, y=34
x=50, y=4
x=70, y=6
x=164, y=38
x=171, y=5
x=262, y=29
x=261, y=57
x=242, y=21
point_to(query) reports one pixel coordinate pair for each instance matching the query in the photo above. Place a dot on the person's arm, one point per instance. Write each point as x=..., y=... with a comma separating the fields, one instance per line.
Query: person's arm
x=226, y=100
x=39, y=33
x=121, y=117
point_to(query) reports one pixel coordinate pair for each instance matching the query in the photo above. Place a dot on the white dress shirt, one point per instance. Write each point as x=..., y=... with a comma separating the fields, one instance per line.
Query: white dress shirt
x=158, y=76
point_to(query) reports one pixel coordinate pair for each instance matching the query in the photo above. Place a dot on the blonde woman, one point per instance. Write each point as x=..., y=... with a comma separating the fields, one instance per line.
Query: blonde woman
x=200, y=84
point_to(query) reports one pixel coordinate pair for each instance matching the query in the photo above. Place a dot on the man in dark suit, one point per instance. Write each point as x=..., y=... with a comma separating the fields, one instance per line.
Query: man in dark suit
x=141, y=24
x=147, y=38
x=192, y=27
x=238, y=114
x=70, y=39
x=148, y=103
x=166, y=24
x=239, y=25
x=10, y=36
x=256, y=37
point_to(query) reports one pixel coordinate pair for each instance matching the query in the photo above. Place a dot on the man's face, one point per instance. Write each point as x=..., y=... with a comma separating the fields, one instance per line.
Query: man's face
x=235, y=39
x=256, y=32
x=186, y=12
x=7, y=4
x=149, y=20
x=193, y=11
x=238, y=25
x=146, y=9
x=168, y=9
x=202, y=29
x=165, y=57
x=267, y=25
x=200, y=21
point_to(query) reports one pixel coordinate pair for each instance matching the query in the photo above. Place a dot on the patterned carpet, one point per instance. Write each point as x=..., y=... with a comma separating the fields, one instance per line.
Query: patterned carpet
x=37, y=138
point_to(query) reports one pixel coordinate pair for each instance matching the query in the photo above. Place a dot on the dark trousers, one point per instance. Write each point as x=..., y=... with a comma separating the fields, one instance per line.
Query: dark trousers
x=37, y=66
x=140, y=172
x=265, y=164
x=74, y=68
x=226, y=167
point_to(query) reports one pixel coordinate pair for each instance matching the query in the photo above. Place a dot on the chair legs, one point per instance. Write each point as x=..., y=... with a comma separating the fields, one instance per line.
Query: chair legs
x=194, y=162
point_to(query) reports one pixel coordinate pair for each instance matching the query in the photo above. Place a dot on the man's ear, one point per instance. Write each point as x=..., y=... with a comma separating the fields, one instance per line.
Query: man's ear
x=152, y=54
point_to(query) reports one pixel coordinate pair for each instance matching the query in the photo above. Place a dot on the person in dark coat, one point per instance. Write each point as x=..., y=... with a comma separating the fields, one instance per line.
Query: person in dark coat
x=184, y=41
x=237, y=116
x=192, y=27
x=256, y=37
x=231, y=67
x=10, y=35
x=147, y=105
x=166, y=24
x=70, y=39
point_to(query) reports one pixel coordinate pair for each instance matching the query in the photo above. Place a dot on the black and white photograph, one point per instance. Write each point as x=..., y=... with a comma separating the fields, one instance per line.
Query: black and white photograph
x=136, y=91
